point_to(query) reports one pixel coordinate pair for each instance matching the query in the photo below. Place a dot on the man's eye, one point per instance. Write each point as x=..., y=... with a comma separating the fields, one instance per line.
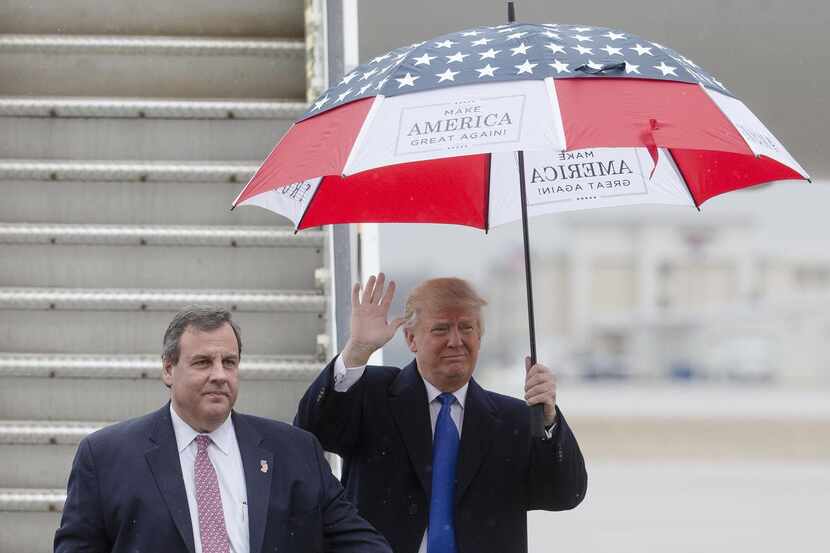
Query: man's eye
x=439, y=330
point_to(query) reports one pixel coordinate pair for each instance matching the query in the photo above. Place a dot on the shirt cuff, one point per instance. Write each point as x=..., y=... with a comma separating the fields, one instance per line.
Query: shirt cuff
x=345, y=378
x=550, y=430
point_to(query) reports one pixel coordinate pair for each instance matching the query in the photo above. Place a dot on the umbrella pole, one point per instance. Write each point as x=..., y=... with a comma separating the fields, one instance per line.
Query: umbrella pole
x=537, y=412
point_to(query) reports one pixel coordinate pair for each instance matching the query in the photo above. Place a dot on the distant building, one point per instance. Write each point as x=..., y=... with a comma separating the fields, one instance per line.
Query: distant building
x=687, y=297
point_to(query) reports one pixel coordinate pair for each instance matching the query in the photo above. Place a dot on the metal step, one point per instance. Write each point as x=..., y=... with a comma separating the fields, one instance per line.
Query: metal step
x=99, y=128
x=38, y=454
x=136, y=332
x=28, y=532
x=127, y=193
x=139, y=139
x=149, y=108
x=142, y=256
x=175, y=67
x=78, y=299
x=157, y=171
x=252, y=367
x=34, y=500
x=155, y=17
x=118, y=399
x=116, y=387
x=132, y=235
x=128, y=202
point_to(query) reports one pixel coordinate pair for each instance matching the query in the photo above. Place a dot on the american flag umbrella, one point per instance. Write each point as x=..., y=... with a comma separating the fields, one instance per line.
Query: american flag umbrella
x=493, y=124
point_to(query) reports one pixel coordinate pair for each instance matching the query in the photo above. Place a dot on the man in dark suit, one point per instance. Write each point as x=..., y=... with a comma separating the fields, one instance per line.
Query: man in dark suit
x=435, y=462
x=197, y=477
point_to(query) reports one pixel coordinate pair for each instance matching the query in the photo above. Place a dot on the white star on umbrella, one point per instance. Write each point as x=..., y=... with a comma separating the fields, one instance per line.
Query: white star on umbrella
x=445, y=44
x=631, y=68
x=364, y=88
x=583, y=38
x=471, y=33
x=555, y=48
x=458, y=56
x=448, y=75
x=424, y=60
x=482, y=41
x=488, y=54
x=526, y=67
x=486, y=71
x=582, y=50
x=559, y=66
x=611, y=50
x=659, y=46
x=368, y=74
x=347, y=79
x=550, y=34
x=520, y=49
x=515, y=36
x=321, y=102
x=408, y=80
x=717, y=82
x=592, y=65
x=342, y=96
x=614, y=36
x=642, y=50
x=380, y=83
x=387, y=68
x=666, y=69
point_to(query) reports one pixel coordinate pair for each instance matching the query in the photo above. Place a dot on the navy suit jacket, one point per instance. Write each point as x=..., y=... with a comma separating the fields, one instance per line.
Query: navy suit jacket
x=381, y=426
x=126, y=492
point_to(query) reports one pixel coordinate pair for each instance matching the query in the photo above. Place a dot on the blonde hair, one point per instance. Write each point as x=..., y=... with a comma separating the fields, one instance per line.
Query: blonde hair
x=443, y=293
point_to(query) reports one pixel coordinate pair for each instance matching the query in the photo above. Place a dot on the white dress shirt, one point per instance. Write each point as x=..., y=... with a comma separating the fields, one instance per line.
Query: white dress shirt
x=345, y=377
x=224, y=454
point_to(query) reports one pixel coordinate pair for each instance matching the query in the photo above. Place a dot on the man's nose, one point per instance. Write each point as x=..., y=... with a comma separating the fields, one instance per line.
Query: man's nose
x=217, y=370
x=454, y=337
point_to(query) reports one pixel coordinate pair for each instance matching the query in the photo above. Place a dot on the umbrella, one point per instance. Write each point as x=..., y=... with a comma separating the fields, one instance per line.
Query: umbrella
x=497, y=123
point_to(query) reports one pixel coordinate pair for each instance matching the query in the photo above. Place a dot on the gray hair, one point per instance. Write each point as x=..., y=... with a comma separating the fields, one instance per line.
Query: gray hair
x=443, y=293
x=200, y=317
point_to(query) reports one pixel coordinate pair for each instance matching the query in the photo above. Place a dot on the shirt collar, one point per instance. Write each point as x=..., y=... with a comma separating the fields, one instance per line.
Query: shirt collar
x=433, y=392
x=222, y=437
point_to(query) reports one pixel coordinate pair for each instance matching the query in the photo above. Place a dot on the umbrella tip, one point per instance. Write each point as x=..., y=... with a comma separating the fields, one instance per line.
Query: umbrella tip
x=511, y=12
x=232, y=207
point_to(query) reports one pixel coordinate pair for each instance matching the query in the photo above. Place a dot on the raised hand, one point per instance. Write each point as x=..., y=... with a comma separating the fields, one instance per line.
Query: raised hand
x=370, y=329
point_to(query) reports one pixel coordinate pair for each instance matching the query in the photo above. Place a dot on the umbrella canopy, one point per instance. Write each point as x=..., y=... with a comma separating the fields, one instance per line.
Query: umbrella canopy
x=493, y=124
x=428, y=132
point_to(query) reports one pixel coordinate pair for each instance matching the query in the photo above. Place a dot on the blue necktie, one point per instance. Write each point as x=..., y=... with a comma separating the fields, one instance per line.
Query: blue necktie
x=441, y=532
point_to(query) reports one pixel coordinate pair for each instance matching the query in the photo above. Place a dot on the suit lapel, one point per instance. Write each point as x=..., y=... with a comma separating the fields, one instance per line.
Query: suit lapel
x=163, y=458
x=476, y=436
x=259, y=467
x=410, y=411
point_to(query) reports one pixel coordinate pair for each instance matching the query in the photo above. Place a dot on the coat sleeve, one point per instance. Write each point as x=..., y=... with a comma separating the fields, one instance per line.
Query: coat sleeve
x=82, y=523
x=344, y=530
x=557, y=479
x=333, y=417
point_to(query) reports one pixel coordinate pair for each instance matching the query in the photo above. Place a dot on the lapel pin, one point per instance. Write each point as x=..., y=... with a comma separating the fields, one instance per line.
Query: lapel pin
x=263, y=465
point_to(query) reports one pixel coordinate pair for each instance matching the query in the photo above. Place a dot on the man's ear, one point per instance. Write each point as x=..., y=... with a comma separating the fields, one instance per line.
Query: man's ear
x=167, y=373
x=410, y=339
